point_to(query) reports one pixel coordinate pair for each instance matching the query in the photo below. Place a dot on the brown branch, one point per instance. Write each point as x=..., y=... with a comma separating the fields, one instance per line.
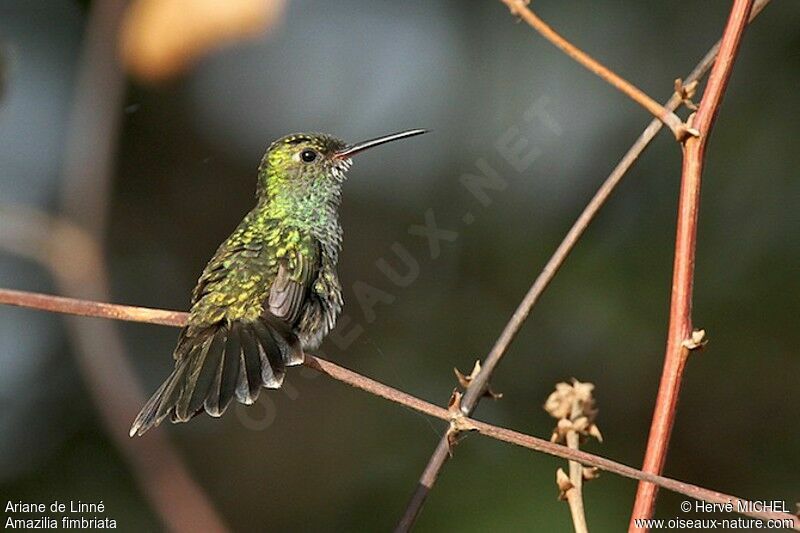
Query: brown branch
x=680, y=323
x=376, y=388
x=481, y=382
x=520, y=8
x=59, y=304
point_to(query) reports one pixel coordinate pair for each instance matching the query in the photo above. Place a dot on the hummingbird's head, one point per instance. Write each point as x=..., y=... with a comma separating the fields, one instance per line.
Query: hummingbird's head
x=311, y=164
x=301, y=160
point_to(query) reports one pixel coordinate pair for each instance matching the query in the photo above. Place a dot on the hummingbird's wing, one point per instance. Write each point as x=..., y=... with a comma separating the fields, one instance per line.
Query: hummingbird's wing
x=239, y=336
x=289, y=291
x=322, y=306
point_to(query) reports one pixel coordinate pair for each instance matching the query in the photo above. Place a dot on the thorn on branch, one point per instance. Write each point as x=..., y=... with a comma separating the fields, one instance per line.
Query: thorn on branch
x=563, y=483
x=686, y=92
x=686, y=131
x=515, y=6
x=697, y=341
x=466, y=380
x=459, y=423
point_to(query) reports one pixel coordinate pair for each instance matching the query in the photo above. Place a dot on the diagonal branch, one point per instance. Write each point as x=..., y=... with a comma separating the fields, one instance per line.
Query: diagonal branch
x=376, y=388
x=480, y=383
x=664, y=114
x=680, y=321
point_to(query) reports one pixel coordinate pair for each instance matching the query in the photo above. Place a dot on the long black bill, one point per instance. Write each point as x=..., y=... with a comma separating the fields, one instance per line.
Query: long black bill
x=353, y=149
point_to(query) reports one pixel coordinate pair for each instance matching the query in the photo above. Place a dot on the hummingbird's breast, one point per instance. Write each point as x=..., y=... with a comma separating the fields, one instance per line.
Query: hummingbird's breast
x=314, y=209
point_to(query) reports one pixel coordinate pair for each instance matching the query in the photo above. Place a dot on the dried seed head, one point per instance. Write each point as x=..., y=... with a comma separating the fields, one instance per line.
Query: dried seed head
x=574, y=407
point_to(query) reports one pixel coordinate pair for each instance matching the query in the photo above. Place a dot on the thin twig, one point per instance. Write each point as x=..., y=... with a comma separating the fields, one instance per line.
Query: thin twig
x=573, y=406
x=680, y=323
x=574, y=493
x=376, y=388
x=480, y=383
x=520, y=8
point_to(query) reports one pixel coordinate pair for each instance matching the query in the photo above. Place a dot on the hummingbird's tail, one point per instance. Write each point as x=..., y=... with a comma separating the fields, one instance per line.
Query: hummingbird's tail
x=219, y=363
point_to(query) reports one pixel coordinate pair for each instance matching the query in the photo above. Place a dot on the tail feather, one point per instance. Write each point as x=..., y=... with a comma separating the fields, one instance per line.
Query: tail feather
x=209, y=363
x=289, y=344
x=153, y=413
x=271, y=354
x=221, y=385
x=229, y=373
x=196, y=358
x=249, y=369
x=165, y=401
x=217, y=364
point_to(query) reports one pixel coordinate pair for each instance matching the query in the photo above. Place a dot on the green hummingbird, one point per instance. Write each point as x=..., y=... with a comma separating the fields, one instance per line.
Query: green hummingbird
x=271, y=290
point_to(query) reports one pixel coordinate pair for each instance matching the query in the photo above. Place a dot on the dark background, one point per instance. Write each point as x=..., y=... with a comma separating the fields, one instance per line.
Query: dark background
x=329, y=457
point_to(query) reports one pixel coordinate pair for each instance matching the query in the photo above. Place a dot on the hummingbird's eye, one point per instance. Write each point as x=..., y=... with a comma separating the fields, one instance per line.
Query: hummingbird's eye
x=308, y=155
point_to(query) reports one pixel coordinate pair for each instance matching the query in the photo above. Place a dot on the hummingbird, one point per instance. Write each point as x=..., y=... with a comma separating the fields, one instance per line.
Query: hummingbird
x=271, y=290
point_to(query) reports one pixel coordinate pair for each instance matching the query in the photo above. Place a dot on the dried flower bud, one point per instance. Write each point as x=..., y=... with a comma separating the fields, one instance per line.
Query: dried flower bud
x=563, y=483
x=591, y=472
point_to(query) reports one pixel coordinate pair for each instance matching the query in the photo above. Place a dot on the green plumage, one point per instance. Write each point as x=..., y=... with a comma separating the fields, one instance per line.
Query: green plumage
x=270, y=290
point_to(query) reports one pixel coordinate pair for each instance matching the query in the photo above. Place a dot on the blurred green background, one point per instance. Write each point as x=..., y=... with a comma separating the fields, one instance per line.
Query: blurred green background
x=324, y=457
